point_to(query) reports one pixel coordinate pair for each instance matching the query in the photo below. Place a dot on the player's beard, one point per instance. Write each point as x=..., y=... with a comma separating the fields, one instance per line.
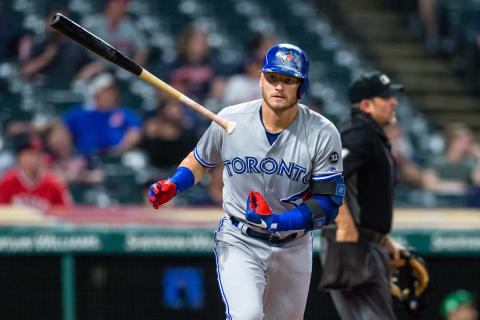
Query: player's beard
x=279, y=108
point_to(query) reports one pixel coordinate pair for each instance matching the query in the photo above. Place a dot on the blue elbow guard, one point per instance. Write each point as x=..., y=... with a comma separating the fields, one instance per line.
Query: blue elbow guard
x=327, y=198
x=340, y=190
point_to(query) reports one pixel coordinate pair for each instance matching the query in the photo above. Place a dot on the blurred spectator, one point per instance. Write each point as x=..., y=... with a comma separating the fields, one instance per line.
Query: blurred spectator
x=194, y=72
x=55, y=59
x=11, y=35
x=103, y=126
x=459, y=305
x=68, y=166
x=458, y=169
x=472, y=52
x=29, y=183
x=259, y=45
x=428, y=15
x=408, y=173
x=115, y=28
x=245, y=86
x=13, y=127
x=166, y=139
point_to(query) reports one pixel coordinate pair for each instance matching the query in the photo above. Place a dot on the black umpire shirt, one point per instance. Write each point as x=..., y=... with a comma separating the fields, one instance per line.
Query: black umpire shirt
x=369, y=172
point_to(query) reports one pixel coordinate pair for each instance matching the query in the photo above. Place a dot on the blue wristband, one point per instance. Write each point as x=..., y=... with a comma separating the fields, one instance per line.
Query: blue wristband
x=183, y=179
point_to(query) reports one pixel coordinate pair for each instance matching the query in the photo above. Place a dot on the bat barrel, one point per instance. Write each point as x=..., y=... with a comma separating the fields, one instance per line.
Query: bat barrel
x=92, y=42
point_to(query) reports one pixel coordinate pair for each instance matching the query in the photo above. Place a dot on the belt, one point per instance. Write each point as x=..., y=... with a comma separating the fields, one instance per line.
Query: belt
x=363, y=233
x=267, y=237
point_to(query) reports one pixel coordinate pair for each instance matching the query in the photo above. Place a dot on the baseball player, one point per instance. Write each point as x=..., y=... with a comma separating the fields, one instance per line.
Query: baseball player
x=282, y=179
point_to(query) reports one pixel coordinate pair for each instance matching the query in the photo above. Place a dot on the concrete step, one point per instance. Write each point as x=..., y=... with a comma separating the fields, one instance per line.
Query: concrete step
x=355, y=7
x=415, y=66
x=373, y=17
x=441, y=119
x=439, y=103
x=399, y=49
x=421, y=84
x=394, y=33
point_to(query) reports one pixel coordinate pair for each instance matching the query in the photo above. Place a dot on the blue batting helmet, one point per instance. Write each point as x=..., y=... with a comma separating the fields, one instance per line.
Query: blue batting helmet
x=288, y=59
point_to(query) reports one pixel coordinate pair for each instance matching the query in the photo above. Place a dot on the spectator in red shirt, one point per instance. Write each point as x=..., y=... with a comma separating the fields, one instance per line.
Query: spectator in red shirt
x=29, y=183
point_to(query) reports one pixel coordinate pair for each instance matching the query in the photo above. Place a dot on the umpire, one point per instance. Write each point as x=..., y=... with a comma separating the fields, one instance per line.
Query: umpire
x=356, y=253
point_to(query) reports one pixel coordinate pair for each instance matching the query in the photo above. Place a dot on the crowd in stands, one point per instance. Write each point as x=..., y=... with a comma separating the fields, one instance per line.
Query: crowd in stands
x=453, y=175
x=76, y=146
x=30, y=182
x=449, y=29
x=460, y=304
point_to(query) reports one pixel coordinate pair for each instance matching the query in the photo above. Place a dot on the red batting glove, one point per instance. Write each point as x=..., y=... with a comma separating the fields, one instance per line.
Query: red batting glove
x=161, y=192
x=258, y=212
x=258, y=204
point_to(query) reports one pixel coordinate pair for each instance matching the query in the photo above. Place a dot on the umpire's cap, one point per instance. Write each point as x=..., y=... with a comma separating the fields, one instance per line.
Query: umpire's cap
x=373, y=84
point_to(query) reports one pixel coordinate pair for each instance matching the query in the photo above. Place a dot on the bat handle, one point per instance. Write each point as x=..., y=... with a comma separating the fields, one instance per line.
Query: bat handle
x=229, y=126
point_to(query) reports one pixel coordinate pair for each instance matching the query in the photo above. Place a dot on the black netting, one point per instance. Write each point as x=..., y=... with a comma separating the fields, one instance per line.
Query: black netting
x=147, y=287
x=30, y=288
x=170, y=287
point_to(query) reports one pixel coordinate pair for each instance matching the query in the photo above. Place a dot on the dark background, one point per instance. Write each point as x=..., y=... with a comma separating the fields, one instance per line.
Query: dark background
x=130, y=287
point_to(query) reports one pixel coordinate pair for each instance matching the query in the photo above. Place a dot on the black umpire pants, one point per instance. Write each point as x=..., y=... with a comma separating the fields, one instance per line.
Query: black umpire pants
x=364, y=303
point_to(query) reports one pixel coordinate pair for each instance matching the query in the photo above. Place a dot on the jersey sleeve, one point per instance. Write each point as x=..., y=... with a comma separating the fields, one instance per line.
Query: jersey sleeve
x=327, y=161
x=209, y=149
x=356, y=150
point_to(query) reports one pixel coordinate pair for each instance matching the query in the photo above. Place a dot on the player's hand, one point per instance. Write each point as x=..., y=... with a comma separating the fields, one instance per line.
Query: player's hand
x=161, y=192
x=258, y=212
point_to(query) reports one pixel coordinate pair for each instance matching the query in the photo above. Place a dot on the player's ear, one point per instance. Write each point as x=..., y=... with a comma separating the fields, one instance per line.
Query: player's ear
x=261, y=79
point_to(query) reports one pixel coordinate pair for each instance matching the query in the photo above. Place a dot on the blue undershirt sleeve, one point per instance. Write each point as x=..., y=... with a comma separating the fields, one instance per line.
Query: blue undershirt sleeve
x=297, y=219
x=301, y=217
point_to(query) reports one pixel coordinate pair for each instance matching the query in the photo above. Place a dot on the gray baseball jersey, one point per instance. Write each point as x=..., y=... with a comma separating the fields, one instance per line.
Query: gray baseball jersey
x=258, y=280
x=309, y=149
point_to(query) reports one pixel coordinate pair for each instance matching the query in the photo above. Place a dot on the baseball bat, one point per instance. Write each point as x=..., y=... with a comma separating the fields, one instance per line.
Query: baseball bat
x=87, y=39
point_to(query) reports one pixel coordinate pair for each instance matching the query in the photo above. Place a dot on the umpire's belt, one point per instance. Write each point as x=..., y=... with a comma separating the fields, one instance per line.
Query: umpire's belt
x=267, y=237
x=363, y=233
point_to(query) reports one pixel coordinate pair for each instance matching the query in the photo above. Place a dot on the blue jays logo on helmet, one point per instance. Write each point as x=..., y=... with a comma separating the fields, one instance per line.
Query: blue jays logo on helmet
x=288, y=59
x=285, y=56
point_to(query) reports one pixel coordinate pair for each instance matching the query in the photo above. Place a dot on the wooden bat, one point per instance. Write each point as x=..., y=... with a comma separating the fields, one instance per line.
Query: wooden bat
x=103, y=49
